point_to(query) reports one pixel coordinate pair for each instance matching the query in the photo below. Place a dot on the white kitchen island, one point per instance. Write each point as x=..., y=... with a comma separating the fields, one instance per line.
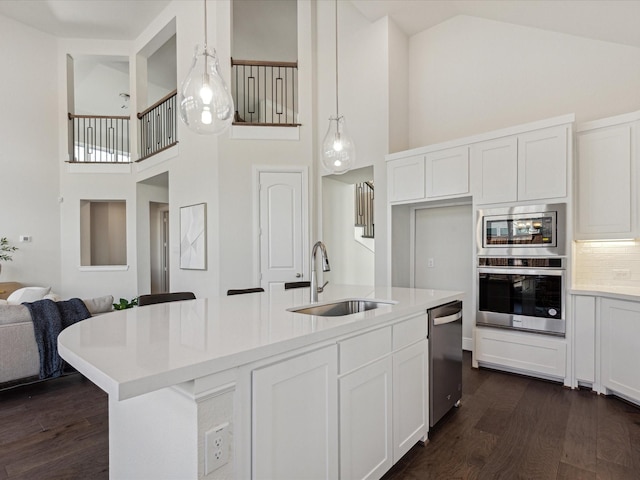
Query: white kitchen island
x=297, y=396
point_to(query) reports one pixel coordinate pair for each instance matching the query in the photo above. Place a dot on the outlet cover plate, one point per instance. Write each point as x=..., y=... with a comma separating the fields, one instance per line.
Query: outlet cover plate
x=216, y=447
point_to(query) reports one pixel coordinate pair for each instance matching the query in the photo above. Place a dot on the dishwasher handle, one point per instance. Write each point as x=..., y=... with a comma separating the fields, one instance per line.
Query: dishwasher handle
x=447, y=318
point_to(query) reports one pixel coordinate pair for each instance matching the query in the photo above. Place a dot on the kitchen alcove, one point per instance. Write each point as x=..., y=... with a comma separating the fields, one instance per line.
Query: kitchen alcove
x=352, y=256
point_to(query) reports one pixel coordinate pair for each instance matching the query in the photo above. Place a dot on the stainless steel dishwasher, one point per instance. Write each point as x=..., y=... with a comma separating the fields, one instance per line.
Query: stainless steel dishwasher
x=445, y=359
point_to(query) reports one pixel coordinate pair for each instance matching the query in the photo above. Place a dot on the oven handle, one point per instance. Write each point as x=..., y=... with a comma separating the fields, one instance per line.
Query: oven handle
x=523, y=271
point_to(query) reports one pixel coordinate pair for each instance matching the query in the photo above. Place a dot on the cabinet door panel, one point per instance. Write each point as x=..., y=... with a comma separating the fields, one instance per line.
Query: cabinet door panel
x=605, y=183
x=495, y=170
x=584, y=320
x=405, y=177
x=447, y=172
x=294, y=418
x=365, y=421
x=410, y=401
x=620, y=331
x=542, y=164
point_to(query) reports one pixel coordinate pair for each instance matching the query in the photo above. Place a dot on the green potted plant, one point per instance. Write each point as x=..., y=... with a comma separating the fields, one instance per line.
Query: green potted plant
x=6, y=251
x=124, y=304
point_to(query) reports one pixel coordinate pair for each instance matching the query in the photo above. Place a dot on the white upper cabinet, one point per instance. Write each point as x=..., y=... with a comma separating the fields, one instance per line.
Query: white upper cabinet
x=542, y=164
x=405, y=179
x=529, y=166
x=438, y=174
x=447, y=172
x=606, y=169
x=515, y=164
x=494, y=167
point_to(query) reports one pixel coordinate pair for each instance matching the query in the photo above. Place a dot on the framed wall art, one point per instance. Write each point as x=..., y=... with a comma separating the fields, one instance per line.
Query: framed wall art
x=193, y=237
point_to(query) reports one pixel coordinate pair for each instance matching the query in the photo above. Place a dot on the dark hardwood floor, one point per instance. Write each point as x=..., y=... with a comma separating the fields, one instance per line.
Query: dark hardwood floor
x=508, y=427
x=514, y=427
x=57, y=429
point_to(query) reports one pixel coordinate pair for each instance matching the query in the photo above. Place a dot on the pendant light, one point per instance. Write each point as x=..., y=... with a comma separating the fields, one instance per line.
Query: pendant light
x=338, y=150
x=206, y=106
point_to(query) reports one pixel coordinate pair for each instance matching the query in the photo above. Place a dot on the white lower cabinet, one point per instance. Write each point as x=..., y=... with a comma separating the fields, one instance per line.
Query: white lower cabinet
x=619, y=342
x=410, y=397
x=295, y=417
x=539, y=355
x=584, y=338
x=349, y=410
x=383, y=397
x=365, y=421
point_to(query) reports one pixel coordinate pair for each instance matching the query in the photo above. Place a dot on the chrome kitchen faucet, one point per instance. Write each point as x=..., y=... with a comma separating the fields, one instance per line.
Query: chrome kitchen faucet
x=315, y=289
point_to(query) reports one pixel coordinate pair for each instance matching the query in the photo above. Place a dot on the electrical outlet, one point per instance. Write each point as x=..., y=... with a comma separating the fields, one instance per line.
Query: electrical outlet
x=430, y=263
x=621, y=273
x=216, y=447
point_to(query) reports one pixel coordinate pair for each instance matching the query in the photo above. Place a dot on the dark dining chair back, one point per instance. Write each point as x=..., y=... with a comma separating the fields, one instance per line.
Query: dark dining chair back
x=289, y=285
x=240, y=291
x=152, y=298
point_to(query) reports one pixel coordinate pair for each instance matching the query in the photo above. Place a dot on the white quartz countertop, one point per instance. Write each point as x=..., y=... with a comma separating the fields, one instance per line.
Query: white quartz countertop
x=131, y=352
x=619, y=293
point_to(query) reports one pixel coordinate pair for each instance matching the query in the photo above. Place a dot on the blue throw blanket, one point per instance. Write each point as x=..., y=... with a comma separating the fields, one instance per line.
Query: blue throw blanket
x=49, y=319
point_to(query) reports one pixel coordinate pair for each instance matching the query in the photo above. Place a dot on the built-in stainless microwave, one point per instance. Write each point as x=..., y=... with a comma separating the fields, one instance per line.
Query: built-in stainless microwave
x=532, y=230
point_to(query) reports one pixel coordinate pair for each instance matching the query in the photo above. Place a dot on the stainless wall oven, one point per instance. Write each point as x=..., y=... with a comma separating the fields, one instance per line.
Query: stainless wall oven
x=530, y=230
x=522, y=294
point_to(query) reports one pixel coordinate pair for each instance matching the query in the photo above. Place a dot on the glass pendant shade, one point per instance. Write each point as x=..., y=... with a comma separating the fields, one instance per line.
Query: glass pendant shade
x=338, y=149
x=206, y=106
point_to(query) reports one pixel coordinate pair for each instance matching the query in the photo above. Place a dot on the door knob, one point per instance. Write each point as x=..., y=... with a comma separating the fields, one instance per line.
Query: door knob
x=298, y=275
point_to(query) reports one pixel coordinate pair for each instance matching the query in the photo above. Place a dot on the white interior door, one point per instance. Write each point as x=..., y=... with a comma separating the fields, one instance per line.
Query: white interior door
x=282, y=201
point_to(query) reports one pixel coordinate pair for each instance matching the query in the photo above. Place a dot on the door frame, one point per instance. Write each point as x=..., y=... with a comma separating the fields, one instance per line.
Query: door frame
x=255, y=188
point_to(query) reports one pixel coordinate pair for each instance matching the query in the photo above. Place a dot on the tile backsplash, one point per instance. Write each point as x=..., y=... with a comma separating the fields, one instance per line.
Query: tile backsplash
x=606, y=264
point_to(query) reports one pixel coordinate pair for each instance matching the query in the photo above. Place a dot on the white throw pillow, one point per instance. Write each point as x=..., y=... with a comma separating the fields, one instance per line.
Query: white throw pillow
x=99, y=304
x=28, y=294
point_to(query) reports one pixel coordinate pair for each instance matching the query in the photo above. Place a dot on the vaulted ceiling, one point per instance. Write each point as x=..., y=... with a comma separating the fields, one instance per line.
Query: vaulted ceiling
x=608, y=20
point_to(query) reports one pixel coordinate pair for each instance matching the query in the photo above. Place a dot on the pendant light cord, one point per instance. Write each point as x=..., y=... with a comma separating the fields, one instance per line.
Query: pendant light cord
x=337, y=111
x=205, y=25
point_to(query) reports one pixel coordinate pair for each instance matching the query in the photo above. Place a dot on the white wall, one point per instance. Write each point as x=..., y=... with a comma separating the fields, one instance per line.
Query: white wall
x=149, y=197
x=194, y=169
x=398, y=72
x=470, y=75
x=90, y=182
x=29, y=166
x=445, y=235
x=99, y=81
x=265, y=30
x=363, y=66
x=236, y=161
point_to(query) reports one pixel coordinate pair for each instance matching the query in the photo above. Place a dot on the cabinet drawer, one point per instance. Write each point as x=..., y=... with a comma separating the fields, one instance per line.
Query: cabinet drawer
x=529, y=352
x=357, y=351
x=409, y=331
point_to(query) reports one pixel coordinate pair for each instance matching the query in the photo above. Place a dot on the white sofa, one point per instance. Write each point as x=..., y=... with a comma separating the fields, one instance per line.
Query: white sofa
x=19, y=357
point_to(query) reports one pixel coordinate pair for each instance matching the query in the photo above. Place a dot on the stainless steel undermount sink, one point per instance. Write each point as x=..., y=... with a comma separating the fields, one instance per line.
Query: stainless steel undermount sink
x=342, y=307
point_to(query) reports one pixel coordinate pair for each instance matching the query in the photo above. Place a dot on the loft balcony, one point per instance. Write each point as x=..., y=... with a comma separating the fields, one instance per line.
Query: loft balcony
x=265, y=93
x=157, y=126
x=99, y=139
x=105, y=139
